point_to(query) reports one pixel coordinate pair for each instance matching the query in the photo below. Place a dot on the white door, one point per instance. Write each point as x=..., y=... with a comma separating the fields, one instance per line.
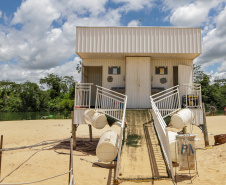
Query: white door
x=138, y=82
x=185, y=76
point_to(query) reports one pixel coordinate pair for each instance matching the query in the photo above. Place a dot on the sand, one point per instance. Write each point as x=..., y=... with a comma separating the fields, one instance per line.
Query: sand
x=47, y=162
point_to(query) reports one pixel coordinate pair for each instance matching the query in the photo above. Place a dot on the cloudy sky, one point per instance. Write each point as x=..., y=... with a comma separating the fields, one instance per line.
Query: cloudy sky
x=38, y=36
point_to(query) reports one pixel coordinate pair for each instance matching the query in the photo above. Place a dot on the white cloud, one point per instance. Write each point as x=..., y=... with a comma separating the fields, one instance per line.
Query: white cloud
x=214, y=44
x=38, y=45
x=174, y=4
x=221, y=20
x=134, y=23
x=40, y=37
x=217, y=75
x=67, y=69
x=16, y=73
x=222, y=69
x=129, y=5
x=36, y=15
x=68, y=7
x=193, y=14
x=211, y=15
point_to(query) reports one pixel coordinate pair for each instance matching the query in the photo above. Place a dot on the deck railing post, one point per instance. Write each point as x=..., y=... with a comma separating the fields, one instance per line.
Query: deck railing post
x=73, y=130
x=90, y=133
x=206, y=139
x=1, y=145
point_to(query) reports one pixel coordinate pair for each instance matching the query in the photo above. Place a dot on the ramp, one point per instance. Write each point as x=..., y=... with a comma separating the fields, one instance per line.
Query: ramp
x=141, y=157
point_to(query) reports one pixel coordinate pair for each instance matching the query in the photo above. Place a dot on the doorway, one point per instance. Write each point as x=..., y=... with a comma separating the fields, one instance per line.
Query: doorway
x=175, y=75
x=138, y=82
x=93, y=74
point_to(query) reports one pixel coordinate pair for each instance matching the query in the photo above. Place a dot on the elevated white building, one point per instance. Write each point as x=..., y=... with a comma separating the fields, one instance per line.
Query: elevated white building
x=137, y=61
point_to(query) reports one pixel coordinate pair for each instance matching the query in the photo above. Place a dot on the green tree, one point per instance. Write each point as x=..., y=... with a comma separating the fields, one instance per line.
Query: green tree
x=30, y=97
x=53, y=82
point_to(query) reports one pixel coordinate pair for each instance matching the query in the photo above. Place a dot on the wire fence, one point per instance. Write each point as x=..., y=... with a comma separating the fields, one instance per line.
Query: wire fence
x=70, y=172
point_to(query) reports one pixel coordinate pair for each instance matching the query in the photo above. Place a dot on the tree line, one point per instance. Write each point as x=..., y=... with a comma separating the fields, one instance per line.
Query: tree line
x=56, y=93
x=213, y=93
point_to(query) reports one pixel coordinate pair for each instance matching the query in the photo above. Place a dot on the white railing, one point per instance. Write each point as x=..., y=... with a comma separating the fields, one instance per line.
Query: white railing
x=82, y=95
x=167, y=101
x=113, y=104
x=198, y=114
x=110, y=103
x=162, y=132
x=193, y=96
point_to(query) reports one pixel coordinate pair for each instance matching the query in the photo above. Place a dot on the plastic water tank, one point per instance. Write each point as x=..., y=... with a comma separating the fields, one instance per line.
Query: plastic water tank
x=182, y=118
x=99, y=120
x=173, y=145
x=107, y=148
x=88, y=115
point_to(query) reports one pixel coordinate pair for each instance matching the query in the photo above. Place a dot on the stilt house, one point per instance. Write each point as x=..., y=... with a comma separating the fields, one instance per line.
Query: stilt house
x=137, y=61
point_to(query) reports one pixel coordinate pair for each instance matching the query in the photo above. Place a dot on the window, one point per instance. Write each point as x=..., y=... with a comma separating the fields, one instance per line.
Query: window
x=161, y=70
x=114, y=70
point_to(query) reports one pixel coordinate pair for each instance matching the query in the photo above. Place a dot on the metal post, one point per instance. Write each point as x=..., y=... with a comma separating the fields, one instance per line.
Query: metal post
x=73, y=130
x=89, y=95
x=205, y=127
x=96, y=103
x=1, y=144
x=69, y=179
x=75, y=95
x=185, y=130
x=72, y=166
x=71, y=174
x=90, y=133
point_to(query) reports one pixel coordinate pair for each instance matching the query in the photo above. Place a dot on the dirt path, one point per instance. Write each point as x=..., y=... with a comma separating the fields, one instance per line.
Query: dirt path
x=141, y=155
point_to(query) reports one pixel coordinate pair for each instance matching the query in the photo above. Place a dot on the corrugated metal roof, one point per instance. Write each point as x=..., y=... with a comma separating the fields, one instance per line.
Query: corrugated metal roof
x=138, y=40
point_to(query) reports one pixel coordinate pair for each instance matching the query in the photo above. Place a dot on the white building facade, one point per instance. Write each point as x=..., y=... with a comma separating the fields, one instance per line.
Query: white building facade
x=137, y=61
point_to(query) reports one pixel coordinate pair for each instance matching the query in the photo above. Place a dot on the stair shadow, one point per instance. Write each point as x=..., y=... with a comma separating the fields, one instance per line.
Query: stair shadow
x=153, y=152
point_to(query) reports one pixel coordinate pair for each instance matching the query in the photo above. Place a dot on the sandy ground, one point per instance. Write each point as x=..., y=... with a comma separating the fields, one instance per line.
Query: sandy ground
x=48, y=162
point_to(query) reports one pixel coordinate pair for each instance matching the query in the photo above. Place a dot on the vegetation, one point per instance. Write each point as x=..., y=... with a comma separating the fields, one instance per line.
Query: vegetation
x=30, y=97
x=58, y=94
x=213, y=94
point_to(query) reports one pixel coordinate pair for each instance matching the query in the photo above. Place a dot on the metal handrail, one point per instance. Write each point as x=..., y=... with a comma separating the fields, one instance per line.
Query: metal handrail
x=164, y=91
x=167, y=101
x=162, y=133
x=82, y=94
x=113, y=104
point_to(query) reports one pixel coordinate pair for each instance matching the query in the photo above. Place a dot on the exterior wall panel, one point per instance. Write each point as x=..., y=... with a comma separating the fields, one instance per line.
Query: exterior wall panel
x=118, y=80
x=169, y=63
x=138, y=40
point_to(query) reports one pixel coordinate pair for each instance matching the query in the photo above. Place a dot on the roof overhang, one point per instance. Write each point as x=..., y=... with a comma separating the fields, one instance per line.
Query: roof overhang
x=190, y=56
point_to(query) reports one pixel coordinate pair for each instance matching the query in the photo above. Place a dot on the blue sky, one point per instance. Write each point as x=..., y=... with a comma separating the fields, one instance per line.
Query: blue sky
x=38, y=36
